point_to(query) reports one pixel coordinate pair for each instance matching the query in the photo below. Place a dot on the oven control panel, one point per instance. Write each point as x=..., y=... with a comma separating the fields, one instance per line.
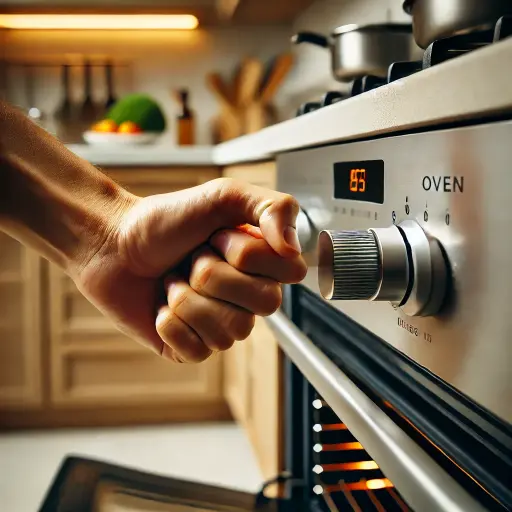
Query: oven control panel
x=410, y=236
x=400, y=264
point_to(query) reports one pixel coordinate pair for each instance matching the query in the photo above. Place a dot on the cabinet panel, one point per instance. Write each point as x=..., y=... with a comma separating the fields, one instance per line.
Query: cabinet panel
x=237, y=380
x=262, y=174
x=265, y=399
x=103, y=378
x=20, y=327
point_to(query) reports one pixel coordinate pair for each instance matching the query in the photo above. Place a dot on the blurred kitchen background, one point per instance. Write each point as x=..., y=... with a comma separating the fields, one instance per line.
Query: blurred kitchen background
x=162, y=61
x=69, y=383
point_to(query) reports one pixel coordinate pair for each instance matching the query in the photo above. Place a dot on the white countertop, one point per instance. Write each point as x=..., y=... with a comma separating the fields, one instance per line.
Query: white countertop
x=151, y=155
x=472, y=86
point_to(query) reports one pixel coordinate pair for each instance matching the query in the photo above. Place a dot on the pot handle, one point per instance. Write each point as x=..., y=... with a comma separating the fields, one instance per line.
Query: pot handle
x=312, y=38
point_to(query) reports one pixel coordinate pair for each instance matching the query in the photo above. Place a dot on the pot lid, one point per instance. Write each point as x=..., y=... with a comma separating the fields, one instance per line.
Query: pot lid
x=375, y=27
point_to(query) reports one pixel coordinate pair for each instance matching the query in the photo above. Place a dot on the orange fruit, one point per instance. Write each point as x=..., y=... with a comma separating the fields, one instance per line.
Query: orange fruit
x=106, y=126
x=129, y=127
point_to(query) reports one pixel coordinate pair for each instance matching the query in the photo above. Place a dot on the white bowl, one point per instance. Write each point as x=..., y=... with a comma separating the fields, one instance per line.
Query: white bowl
x=121, y=139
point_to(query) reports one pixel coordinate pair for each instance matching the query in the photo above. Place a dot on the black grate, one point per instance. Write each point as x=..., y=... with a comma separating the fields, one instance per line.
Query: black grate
x=345, y=475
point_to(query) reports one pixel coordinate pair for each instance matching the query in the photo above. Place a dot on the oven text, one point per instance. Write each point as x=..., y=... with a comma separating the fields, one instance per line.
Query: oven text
x=443, y=183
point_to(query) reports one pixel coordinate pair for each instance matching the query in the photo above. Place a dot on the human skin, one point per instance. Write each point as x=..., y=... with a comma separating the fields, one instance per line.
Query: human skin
x=175, y=271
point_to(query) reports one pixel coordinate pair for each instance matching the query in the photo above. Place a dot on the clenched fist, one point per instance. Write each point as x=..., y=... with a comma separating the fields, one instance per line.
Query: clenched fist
x=175, y=273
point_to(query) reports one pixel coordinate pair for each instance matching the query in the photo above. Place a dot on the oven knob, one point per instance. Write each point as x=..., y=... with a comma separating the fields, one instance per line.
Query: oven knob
x=400, y=264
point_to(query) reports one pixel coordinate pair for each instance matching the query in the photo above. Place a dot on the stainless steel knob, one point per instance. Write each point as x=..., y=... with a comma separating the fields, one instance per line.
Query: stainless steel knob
x=349, y=265
x=400, y=264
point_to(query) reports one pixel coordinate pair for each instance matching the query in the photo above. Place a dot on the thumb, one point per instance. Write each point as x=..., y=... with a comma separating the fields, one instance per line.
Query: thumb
x=275, y=213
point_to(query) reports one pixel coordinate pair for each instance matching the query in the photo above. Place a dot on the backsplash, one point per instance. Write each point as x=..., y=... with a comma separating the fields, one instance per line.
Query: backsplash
x=153, y=62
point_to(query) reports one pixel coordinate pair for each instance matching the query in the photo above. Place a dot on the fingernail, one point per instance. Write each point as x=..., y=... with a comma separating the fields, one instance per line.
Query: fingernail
x=292, y=239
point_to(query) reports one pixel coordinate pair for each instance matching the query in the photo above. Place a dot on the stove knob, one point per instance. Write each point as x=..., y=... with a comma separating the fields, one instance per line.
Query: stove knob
x=401, y=265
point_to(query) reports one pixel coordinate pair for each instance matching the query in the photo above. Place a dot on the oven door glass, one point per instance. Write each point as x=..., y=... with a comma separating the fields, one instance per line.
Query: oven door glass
x=83, y=485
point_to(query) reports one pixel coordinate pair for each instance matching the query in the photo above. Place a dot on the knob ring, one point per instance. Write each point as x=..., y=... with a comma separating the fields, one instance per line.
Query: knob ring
x=429, y=272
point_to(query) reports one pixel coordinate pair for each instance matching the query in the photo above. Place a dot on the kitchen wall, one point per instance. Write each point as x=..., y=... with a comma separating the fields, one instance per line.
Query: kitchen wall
x=312, y=74
x=153, y=62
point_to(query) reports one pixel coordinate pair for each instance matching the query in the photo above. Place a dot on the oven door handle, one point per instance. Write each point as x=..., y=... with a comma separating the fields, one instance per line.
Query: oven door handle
x=423, y=483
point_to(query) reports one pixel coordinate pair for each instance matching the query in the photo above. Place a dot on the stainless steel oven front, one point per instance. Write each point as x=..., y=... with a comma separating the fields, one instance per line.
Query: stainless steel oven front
x=450, y=188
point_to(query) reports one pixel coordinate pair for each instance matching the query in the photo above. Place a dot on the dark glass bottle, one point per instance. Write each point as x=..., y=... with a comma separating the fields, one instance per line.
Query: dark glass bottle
x=185, y=121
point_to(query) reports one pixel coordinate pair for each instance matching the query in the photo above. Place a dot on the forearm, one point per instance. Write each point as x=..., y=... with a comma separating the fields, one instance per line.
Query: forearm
x=49, y=198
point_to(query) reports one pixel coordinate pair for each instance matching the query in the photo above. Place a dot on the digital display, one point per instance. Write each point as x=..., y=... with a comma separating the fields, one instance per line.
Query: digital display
x=360, y=181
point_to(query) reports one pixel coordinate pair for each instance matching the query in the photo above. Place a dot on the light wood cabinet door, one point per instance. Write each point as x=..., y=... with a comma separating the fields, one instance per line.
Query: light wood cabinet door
x=20, y=326
x=263, y=174
x=265, y=400
x=252, y=368
x=93, y=364
x=237, y=377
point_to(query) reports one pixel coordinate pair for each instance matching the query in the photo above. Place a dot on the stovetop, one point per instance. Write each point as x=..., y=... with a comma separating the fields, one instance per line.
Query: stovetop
x=438, y=52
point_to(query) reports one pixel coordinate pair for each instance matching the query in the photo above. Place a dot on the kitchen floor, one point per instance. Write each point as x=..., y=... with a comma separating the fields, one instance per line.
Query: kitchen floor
x=219, y=454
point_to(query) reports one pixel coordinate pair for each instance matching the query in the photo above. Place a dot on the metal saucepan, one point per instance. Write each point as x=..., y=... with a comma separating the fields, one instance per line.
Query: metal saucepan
x=363, y=50
x=437, y=19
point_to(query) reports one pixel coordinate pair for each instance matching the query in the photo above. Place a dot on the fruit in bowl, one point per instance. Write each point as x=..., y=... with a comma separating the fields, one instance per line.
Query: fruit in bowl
x=136, y=118
x=105, y=126
x=129, y=127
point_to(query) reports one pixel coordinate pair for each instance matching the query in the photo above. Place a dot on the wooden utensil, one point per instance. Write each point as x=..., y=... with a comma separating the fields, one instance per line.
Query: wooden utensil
x=251, y=73
x=229, y=124
x=281, y=68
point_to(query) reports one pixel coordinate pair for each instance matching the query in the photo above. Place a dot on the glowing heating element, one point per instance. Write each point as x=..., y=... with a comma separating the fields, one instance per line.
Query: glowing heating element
x=363, y=485
x=99, y=21
x=337, y=447
x=329, y=427
x=347, y=466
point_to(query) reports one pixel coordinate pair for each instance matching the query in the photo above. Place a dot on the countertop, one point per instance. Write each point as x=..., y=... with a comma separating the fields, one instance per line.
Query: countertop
x=474, y=86
x=141, y=156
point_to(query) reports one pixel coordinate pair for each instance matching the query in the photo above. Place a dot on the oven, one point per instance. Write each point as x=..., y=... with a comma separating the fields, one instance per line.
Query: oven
x=398, y=389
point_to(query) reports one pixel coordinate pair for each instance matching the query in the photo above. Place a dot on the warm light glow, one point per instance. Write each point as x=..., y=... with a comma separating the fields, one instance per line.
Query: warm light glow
x=363, y=485
x=99, y=21
x=337, y=447
x=379, y=483
x=347, y=466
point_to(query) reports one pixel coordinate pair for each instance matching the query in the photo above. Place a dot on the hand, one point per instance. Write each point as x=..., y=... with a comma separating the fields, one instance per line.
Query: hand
x=176, y=276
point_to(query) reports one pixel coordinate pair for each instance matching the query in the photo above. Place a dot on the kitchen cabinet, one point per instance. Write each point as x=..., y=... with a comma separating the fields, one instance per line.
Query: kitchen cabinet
x=20, y=335
x=252, y=368
x=63, y=363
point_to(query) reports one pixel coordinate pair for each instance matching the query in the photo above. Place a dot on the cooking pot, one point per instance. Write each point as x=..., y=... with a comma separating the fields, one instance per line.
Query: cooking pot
x=437, y=19
x=363, y=50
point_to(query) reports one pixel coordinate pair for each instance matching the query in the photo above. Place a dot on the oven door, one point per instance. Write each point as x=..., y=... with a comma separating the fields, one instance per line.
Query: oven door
x=84, y=485
x=440, y=450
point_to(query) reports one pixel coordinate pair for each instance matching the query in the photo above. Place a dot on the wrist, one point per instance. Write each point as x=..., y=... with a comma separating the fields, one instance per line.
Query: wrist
x=102, y=219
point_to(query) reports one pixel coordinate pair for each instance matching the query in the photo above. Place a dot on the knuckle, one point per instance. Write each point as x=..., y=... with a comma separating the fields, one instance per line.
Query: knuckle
x=243, y=259
x=200, y=277
x=179, y=300
x=290, y=202
x=198, y=356
x=300, y=271
x=221, y=343
x=271, y=297
x=244, y=327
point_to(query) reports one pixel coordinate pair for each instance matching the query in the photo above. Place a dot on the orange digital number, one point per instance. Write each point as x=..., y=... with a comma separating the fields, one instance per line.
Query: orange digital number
x=358, y=180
